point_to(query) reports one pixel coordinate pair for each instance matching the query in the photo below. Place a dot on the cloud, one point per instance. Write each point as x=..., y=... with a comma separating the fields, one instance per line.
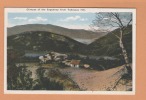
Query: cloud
x=105, y=18
x=20, y=18
x=37, y=19
x=74, y=18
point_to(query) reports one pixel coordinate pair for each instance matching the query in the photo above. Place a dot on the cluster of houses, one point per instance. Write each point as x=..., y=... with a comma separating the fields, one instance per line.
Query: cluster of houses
x=63, y=58
x=52, y=56
x=75, y=63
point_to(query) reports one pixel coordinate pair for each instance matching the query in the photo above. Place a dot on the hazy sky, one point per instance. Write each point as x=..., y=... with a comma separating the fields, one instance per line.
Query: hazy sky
x=68, y=20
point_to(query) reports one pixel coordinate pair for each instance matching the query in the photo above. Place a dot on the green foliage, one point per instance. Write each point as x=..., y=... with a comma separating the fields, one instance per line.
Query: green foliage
x=103, y=64
x=108, y=45
x=42, y=41
x=18, y=78
x=127, y=76
x=44, y=83
x=14, y=55
x=53, y=79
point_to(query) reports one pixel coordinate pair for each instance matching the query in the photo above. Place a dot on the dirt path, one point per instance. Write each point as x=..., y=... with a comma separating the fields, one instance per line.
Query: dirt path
x=92, y=80
x=89, y=80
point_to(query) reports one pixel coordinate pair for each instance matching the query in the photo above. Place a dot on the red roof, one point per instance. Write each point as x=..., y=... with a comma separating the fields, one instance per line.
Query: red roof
x=75, y=62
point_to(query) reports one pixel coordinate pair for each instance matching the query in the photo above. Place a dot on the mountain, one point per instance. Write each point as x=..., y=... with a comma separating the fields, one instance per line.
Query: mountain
x=108, y=45
x=80, y=35
x=43, y=41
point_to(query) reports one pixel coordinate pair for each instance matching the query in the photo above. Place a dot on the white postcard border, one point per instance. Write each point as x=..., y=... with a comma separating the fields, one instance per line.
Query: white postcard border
x=93, y=10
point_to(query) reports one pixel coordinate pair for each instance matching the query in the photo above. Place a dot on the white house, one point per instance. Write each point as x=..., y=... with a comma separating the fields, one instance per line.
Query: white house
x=75, y=63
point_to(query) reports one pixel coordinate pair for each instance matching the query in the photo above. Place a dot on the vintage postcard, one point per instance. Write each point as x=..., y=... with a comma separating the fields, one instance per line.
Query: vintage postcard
x=70, y=51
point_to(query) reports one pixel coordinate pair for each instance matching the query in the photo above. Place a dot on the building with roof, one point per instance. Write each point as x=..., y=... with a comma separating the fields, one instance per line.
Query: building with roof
x=75, y=63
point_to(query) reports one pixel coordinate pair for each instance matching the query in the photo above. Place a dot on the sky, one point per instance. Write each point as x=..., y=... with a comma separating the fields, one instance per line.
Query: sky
x=67, y=20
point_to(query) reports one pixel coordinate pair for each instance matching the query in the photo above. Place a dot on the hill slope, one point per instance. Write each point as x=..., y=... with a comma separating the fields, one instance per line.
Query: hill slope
x=41, y=41
x=76, y=34
x=108, y=45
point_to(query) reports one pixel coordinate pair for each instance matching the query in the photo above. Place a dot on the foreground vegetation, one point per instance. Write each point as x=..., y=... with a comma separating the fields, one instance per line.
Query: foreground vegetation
x=20, y=78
